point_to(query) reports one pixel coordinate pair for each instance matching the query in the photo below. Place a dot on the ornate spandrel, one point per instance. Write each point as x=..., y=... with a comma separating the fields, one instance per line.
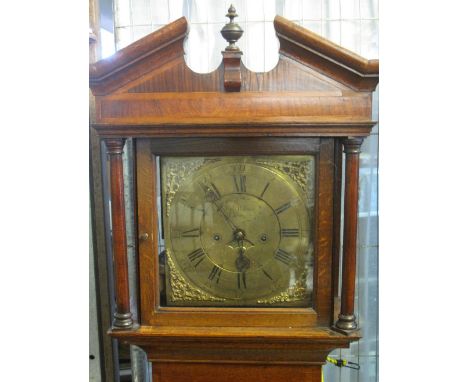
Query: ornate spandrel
x=175, y=174
x=302, y=172
x=182, y=290
x=296, y=292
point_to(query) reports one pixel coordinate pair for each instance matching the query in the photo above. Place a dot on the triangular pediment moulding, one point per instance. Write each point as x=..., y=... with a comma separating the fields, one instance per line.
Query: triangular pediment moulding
x=313, y=83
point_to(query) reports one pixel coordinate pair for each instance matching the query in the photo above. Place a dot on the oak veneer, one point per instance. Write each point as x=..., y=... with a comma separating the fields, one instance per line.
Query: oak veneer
x=203, y=372
x=237, y=345
x=153, y=314
x=325, y=56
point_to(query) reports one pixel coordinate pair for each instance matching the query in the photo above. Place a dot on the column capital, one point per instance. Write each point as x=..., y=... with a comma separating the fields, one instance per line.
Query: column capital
x=115, y=145
x=352, y=145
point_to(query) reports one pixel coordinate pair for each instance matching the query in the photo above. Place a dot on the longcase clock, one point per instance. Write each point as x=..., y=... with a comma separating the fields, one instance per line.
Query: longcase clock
x=238, y=188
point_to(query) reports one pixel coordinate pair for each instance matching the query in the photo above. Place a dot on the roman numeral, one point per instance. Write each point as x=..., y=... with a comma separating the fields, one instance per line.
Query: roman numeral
x=241, y=280
x=240, y=167
x=283, y=208
x=195, y=232
x=215, y=274
x=196, y=256
x=283, y=256
x=290, y=232
x=240, y=183
x=267, y=275
x=264, y=190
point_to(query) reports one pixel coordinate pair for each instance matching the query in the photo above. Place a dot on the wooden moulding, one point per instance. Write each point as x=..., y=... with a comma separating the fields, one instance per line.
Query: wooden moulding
x=306, y=346
x=279, y=129
x=138, y=50
x=208, y=108
x=142, y=56
x=328, y=58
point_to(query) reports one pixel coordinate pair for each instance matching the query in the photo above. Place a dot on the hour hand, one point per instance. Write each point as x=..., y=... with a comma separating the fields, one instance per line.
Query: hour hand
x=239, y=238
x=237, y=243
x=242, y=262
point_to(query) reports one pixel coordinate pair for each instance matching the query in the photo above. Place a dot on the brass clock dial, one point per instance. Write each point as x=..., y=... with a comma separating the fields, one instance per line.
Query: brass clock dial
x=238, y=230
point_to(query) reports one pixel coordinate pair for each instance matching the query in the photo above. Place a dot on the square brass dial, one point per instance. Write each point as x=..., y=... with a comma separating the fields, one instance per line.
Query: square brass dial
x=238, y=230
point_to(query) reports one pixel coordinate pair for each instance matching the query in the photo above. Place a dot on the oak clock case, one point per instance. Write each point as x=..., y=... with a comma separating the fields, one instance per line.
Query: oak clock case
x=237, y=230
x=238, y=193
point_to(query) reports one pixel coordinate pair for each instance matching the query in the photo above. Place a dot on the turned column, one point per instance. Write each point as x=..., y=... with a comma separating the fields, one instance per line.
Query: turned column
x=346, y=318
x=122, y=315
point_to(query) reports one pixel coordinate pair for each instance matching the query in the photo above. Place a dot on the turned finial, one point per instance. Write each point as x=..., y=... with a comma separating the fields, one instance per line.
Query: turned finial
x=232, y=31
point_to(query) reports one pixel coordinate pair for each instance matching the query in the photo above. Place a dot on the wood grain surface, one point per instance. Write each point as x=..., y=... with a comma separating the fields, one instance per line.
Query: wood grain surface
x=206, y=372
x=119, y=234
x=321, y=312
x=352, y=149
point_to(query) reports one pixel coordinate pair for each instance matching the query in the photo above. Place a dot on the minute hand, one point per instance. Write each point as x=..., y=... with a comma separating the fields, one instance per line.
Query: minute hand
x=220, y=209
x=212, y=197
x=233, y=226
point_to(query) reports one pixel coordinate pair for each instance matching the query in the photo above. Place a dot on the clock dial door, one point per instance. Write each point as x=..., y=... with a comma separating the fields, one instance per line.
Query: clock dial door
x=238, y=230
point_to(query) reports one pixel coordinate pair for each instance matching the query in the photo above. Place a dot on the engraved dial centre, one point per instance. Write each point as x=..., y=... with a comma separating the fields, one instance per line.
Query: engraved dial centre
x=252, y=217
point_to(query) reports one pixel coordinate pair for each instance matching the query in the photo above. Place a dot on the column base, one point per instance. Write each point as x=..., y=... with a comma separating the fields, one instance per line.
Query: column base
x=122, y=321
x=346, y=323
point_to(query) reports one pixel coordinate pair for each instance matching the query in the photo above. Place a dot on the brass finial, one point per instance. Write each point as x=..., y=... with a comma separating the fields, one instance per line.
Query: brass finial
x=231, y=13
x=232, y=31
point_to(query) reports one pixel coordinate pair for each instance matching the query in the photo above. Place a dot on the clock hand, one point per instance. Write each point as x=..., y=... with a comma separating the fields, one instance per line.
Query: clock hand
x=236, y=241
x=220, y=209
x=242, y=262
x=213, y=196
x=248, y=241
x=240, y=237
